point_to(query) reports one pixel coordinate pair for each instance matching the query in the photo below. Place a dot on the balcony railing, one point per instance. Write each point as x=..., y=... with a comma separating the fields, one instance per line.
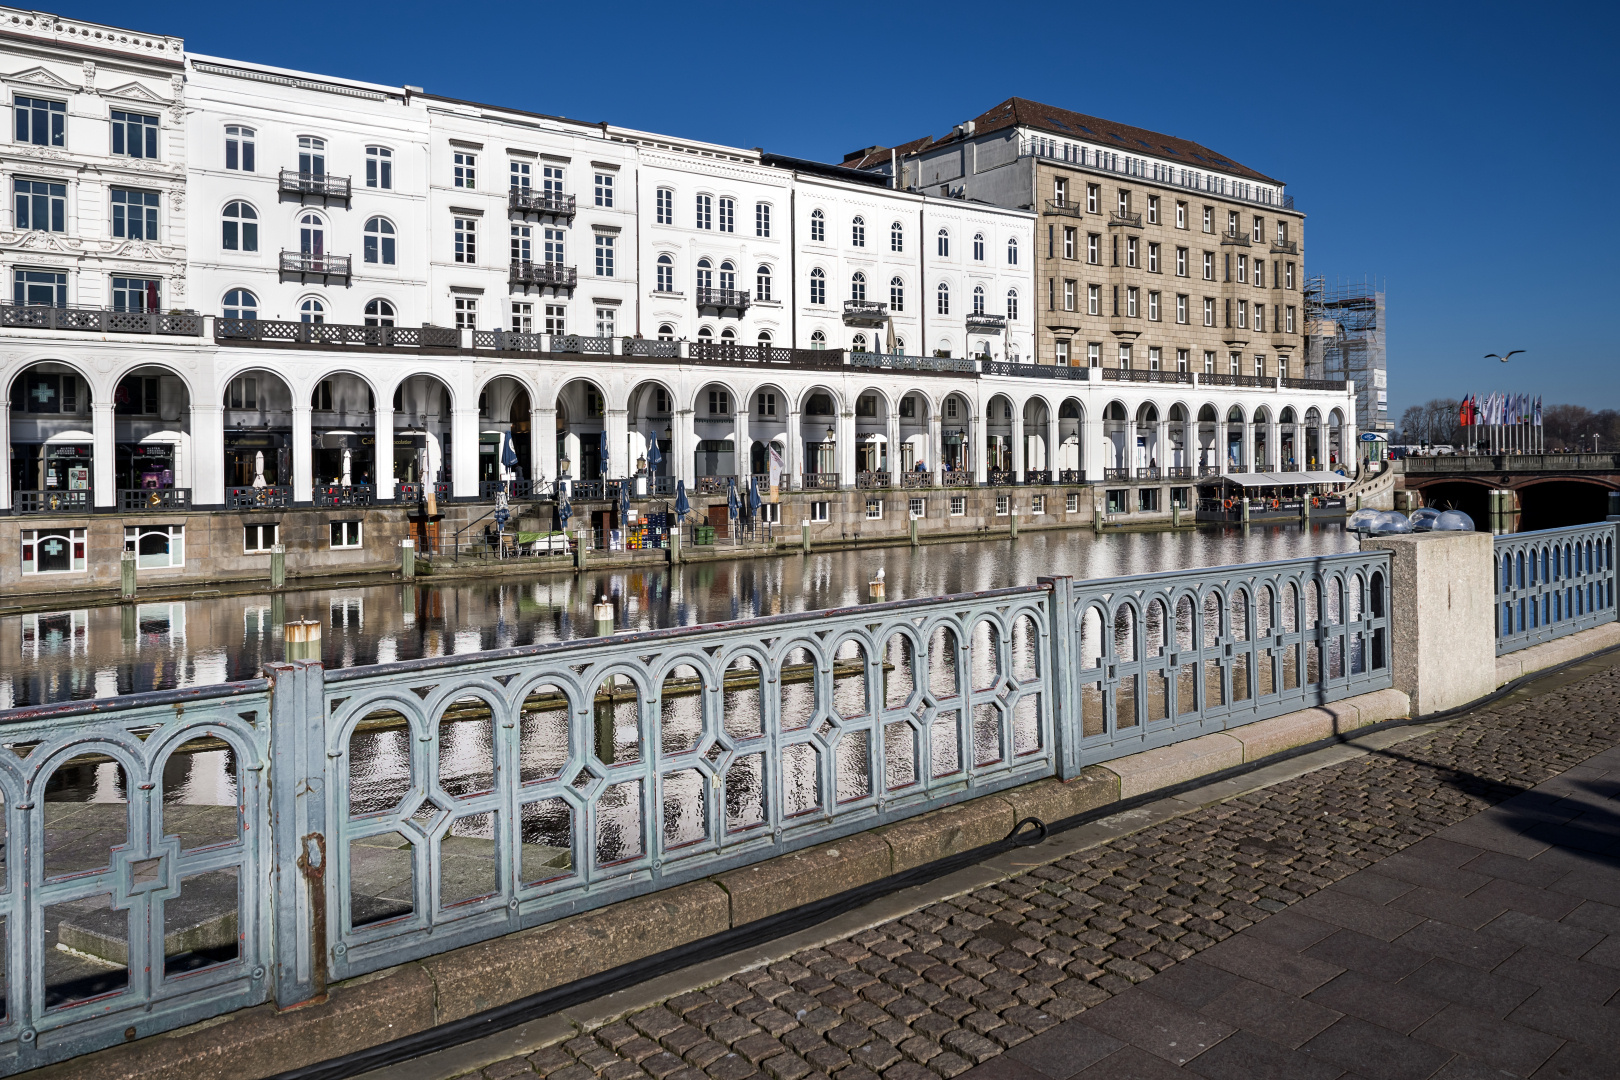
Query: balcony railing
x=515, y=489
x=726, y=353
x=981, y=323
x=543, y=275
x=1178, y=472
x=134, y=500
x=76, y=501
x=341, y=495
x=257, y=498
x=1285, y=247
x=1035, y=371
x=421, y=337
x=1238, y=240
x=1071, y=476
x=314, y=185
x=865, y=313
x=327, y=268
x=1037, y=476
x=1209, y=470
x=417, y=493
x=582, y=344
x=911, y=478
x=958, y=365
x=99, y=320
x=871, y=480
x=818, y=481
x=1337, y=385
x=545, y=203
x=1133, y=221
x=1067, y=209
x=1117, y=474
x=723, y=299
x=652, y=347
x=1000, y=477
x=1150, y=376
x=1147, y=472
x=1154, y=172
x=1215, y=378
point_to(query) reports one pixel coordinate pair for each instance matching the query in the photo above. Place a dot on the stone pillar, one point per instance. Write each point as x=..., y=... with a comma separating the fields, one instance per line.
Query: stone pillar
x=464, y=455
x=5, y=454
x=382, y=449
x=207, y=467
x=684, y=446
x=845, y=450
x=936, y=449
x=1274, y=458
x=742, y=457
x=978, y=444
x=542, y=444
x=893, y=434
x=1221, y=435
x=103, y=474
x=1018, y=455
x=303, y=454
x=616, y=423
x=1161, y=448
x=1442, y=641
x=1052, y=443
x=792, y=459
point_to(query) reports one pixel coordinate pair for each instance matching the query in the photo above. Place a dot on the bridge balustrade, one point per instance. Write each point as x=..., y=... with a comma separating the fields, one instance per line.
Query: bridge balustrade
x=1552, y=583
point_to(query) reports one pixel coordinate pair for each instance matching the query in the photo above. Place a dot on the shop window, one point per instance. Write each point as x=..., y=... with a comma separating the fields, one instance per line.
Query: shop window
x=156, y=547
x=1147, y=499
x=52, y=551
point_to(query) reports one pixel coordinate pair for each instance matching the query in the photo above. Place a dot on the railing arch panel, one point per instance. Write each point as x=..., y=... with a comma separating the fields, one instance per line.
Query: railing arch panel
x=1552, y=583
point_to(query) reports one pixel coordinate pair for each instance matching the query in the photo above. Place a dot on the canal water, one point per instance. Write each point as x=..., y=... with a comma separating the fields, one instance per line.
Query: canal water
x=78, y=653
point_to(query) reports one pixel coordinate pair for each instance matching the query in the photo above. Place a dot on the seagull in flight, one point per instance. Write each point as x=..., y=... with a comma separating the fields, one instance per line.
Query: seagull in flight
x=1504, y=359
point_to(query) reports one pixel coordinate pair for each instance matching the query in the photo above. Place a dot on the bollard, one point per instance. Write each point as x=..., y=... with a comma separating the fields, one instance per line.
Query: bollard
x=1305, y=510
x=913, y=532
x=1012, y=524
x=126, y=576
x=407, y=559
x=875, y=589
x=1245, y=509
x=579, y=550
x=1096, y=519
x=278, y=566
x=804, y=531
x=604, y=617
x=301, y=640
x=1175, y=515
x=675, y=545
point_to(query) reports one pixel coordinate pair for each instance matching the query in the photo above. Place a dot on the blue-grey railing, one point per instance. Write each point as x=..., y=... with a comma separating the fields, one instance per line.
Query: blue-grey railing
x=355, y=819
x=1553, y=582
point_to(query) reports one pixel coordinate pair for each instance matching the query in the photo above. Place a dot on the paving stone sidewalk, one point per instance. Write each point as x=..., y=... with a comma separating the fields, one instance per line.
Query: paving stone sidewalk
x=1486, y=952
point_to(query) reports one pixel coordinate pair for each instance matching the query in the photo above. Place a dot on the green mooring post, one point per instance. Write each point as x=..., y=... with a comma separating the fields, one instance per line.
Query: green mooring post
x=301, y=640
x=126, y=576
x=407, y=559
x=675, y=545
x=1175, y=515
x=1305, y=510
x=804, y=535
x=1096, y=519
x=913, y=532
x=278, y=566
x=1012, y=524
x=579, y=550
x=1245, y=509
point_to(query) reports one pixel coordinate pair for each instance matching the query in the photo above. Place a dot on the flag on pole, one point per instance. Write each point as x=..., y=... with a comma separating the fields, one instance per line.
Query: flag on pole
x=1538, y=410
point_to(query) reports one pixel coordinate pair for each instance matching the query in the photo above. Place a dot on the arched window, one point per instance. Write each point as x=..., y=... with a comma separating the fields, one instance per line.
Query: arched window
x=312, y=237
x=897, y=294
x=944, y=243
x=818, y=227
x=379, y=167
x=897, y=238
x=858, y=344
x=857, y=232
x=311, y=156
x=312, y=310
x=728, y=276
x=241, y=227
x=705, y=274
x=1012, y=252
x=379, y=313
x=728, y=336
x=666, y=274
x=705, y=334
x=818, y=340
x=978, y=247
x=241, y=304
x=899, y=346
x=857, y=287
x=978, y=299
x=762, y=283
x=1012, y=305
x=379, y=241
x=818, y=286
x=944, y=299
x=764, y=339
x=666, y=332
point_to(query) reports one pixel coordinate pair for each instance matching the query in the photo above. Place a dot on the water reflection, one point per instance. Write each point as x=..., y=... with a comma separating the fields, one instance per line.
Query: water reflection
x=104, y=652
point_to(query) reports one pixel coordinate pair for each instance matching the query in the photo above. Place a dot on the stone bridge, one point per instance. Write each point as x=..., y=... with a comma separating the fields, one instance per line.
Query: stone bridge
x=1547, y=490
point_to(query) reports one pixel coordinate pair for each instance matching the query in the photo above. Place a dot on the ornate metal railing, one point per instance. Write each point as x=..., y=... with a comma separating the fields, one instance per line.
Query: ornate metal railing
x=1129, y=219
x=1034, y=371
x=255, y=498
x=546, y=203
x=1553, y=582
x=137, y=499
x=451, y=800
x=1071, y=476
x=722, y=299
x=1066, y=209
x=1113, y=473
x=1336, y=385
x=1037, y=476
x=1178, y=472
x=509, y=341
x=341, y=495
x=582, y=345
x=725, y=352
x=416, y=492
x=1215, y=378
x=317, y=185
x=651, y=347
x=100, y=320
x=303, y=333
x=73, y=501
x=545, y=275
x=871, y=479
x=515, y=489
x=1000, y=477
x=911, y=478
x=986, y=324
x=960, y=365
x=958, y=478
x=818, y=481
x=865, y=312
x=1285, y=247
x=1150, y=376
x=1147, y=472
x=307, y=265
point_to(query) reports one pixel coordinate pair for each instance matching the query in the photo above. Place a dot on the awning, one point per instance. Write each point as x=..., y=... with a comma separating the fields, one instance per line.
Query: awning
x=1327, y=478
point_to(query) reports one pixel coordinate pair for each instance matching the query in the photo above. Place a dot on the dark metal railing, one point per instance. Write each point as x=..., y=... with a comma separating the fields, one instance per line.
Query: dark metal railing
x=75, y=501
x=544, y=275
x=725, y=352
x=957, y=478
x=258, y=498
x=871, y=480
x=581, y=344
x=865, y=311
x=1113, y=473
x=1285, y=247
x=1000, y=477
x=1315, y=384
x=1147, y=472
x=911, y=478
x=1178, y=472
x=307, y=265
x=318, y=185
x=1215, y=378
x=339, y=495
x=723, y=299
x=100, y=320
x=137, y=499
x=1034, y=371
x=417, y=492
x=1132, y=220
x=1037, y=476
x=953, y=365
x=550, y=203
x=654, y=347
x=1237, y=240
x=1071, y=476
x=1068, y=209
x=1149, y=376
x=823, y=481
x=423, y=337
x=515, y=489
x=986, y=323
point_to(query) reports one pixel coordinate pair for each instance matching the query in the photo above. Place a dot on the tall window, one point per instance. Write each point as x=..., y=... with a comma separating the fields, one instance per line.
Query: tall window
x=604, y=256
x=1093, y=249
x=551, y=179
x=1181, y=262
x=379, y=313
x=604, y=189
x=312, y=237
x=818, y=286
x=944, y=299
x=857, y=232
x=522, y=176
x=1012, y=252
x=728, y=276
x=857, y=287
x=818, y=340
x=137, y=294
x=762, y=219
x=379, y=167
x=1181, y=309
x=239, y=148
x=134, y=135
x=311, y=155
x=1093, y=299
x=705, y=212
x=313, y=310
x=728, y=215
x=705, y=274
x=1153, y=306
x=897, y=294
x=554, y=246
x=556, y=319
x=978, y=247
x=606, y=322
x=466, y=240
x=944, y=244
x=522, y=243
x=1209, y=311
x=897, y=237
x=1153, y=258
x=241, y=227
x=665, y=274
x=466, y=170
x=40, y=121
x=1209, y=266
x=379, y=241
x=466, y=313
x=978, y=299
x=47, y=288
x=762, y=283
x=664, y=201
x=240, y=304
x=1012, y=305
x=40, y=206
x=818, y=227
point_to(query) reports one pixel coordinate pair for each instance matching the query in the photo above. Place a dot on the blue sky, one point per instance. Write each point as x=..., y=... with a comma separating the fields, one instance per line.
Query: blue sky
x=1466, y=154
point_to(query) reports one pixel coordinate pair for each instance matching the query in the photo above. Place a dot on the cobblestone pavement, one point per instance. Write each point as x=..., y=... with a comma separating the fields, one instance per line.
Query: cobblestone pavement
x=933, y=994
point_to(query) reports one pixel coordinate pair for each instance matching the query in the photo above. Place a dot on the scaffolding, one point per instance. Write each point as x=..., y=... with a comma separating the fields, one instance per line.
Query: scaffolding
x=1344, y=324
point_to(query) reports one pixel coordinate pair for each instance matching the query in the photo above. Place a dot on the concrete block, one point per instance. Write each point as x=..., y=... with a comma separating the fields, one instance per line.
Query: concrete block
x=1054, y=800
x=1167, y=765
x=477, y=977
x=1381, y=705
x=1442, y=625
x=804, y=876
x=1552, y=653
x=1266, y=737
x=954, y=829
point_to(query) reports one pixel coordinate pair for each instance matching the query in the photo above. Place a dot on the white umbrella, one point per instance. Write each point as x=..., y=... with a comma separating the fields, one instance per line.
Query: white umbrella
x=258, y=468
x=347, y=458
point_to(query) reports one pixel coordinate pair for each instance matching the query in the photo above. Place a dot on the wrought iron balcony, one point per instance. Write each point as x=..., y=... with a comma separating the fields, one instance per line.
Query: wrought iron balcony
x=980, y=323
x=553, y=204
x=1336, y=385
x=958, y=478
x=1035, y=371
x=723, y=299
x=133, y=500
x=1239, y=240
x=871, y=480
x=303, y=333
x=1285, y=247
x=314, y=185
x=99, y=320
x=1067, y=209
x=257, y=498
x=1133, y=375
x=324, y=268
x=1129, y=220
x=74, y=501
x=865, y=313
x=543, y=275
